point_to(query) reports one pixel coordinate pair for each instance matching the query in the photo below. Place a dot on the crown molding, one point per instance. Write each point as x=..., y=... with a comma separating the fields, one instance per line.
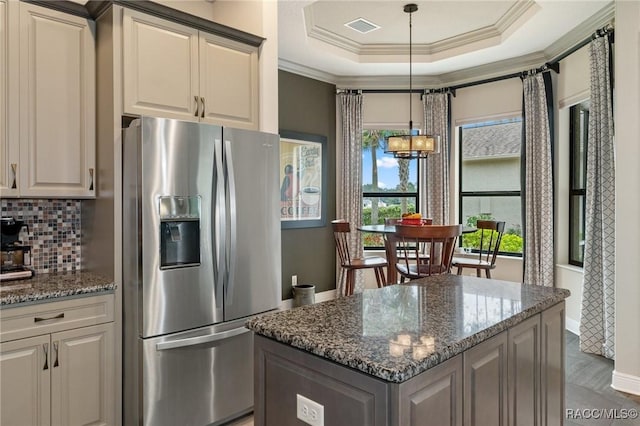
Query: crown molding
x=469, y=75
x=305, y=71
x=480, y=38
x=495, y=69
x=582, y=32
x=390, y=82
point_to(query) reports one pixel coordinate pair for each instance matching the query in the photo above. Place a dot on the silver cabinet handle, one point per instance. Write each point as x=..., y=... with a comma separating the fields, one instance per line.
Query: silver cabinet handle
x=197, y=106
x=45, y=349
x=91, y=179
x=14, y=170
x=202, y=112
x=191, y=341
x=39, y=319
x=55, y=348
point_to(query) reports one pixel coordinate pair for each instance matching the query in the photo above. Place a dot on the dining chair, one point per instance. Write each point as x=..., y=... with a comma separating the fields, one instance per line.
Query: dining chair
x=349, y=265
x=487, y=250
x=440, y=241
x=424, y=256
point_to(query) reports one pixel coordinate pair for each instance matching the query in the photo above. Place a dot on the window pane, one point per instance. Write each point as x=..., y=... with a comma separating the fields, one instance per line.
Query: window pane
x=491, y=156
x=501, y=208
x=382, y=172
x=576, y=221
x=376, y=209
x=579, y=131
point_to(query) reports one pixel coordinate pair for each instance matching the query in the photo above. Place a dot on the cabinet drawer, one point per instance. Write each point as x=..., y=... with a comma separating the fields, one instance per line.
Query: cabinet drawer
x=50, y=317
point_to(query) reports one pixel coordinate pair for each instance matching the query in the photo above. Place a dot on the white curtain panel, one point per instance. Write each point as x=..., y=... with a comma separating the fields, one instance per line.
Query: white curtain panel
x=349, y=202
x=597, y=325
x=434, y=171
x=538, y=185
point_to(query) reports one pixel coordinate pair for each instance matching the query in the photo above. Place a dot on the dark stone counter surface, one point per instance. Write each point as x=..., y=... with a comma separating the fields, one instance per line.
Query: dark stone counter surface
x=399, y=331
x=49, y=287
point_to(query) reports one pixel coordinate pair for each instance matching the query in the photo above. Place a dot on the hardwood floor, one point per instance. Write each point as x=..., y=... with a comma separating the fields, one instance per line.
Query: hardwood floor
x=587, y=387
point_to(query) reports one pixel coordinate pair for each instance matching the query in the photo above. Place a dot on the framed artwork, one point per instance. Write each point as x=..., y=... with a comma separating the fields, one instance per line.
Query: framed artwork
x=303, y=192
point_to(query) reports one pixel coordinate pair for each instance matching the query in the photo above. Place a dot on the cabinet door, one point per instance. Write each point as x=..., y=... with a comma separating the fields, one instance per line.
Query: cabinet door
x=9, y=142
x=552, y=369
x=485, y=383
x=57, y=104
x=160, y=67
x=524, y=373
x=229, y=82
x=82, y=376
x=24, y=382
x=433, y=398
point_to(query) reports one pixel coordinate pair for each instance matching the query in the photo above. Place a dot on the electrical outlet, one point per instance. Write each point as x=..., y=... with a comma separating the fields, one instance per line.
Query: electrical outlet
x=309, y=411
x=294, y=280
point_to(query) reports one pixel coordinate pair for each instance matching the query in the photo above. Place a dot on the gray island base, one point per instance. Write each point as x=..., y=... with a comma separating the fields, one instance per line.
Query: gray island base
x=444, y=350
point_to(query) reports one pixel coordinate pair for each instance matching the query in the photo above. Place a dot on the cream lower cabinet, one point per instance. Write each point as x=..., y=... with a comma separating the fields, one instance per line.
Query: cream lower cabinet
x=175, y=71
x=50, y=102
x=62, y=378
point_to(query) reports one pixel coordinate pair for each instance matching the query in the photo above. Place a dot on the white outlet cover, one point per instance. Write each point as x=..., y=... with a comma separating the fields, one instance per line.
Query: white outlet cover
x=309, y=411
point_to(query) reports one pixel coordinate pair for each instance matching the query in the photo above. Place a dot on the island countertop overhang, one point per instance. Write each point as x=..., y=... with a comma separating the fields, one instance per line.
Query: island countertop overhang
x=400, y=331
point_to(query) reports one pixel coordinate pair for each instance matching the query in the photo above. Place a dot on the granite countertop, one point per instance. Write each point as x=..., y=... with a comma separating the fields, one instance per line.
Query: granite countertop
x=48, y=287
x=399, y=331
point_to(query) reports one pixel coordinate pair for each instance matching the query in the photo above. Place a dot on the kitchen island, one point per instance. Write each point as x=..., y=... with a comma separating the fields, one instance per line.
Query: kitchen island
x=443, y=350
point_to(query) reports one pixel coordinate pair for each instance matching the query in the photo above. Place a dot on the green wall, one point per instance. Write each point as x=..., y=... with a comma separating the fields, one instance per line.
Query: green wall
x=309, y=106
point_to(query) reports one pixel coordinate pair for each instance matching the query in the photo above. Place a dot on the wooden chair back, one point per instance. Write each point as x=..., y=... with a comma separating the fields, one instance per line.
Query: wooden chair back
x=440, y=241
x=490, y=237
x=341, y=230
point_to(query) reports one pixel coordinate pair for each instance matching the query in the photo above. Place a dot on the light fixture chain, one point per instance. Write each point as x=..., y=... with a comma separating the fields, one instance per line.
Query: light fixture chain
x=410, y=75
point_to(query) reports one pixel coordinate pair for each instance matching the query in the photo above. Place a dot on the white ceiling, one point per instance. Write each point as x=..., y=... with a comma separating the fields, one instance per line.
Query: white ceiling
x=453, y=41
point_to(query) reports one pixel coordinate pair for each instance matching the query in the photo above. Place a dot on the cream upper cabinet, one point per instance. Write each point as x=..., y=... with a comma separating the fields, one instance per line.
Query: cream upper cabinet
x=160, y=67
x=229, y=82
x=9, y=143
x=56, y=103
x=175, y=71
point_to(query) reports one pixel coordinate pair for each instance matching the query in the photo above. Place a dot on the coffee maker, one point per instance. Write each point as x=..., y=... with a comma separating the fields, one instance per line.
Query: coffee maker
x=16, y=257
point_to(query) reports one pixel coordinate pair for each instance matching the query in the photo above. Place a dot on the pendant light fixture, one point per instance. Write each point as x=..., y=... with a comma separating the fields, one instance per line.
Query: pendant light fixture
x=411, y=146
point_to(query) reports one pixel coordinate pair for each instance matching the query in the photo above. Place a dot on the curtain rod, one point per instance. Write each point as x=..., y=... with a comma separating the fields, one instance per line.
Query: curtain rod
x=607, y=29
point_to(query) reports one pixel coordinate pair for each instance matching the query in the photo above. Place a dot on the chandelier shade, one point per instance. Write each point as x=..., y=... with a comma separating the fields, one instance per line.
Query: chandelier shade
x=411, y=145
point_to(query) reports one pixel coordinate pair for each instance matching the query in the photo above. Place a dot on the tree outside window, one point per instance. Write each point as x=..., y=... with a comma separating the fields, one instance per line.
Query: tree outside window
x=389, y=185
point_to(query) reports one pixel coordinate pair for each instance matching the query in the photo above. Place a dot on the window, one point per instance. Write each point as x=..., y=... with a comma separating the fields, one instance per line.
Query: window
x=578, y=136
x=389, y=185
x=490, y=179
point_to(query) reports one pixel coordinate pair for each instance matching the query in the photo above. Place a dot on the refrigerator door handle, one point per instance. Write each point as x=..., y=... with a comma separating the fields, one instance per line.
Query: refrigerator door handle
x=219, y=223
x=192, y=341
x=231, y=259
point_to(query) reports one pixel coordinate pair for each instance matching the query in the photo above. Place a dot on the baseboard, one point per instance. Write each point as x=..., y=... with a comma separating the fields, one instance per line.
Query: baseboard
x=323, y=296
x=625, y=383
x=572, y=326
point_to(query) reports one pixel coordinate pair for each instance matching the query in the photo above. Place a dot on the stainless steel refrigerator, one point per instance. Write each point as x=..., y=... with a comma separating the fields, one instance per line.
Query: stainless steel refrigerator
x=201, y=254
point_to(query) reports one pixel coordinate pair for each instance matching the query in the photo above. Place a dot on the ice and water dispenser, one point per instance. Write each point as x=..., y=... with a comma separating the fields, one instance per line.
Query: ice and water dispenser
x=179, y=232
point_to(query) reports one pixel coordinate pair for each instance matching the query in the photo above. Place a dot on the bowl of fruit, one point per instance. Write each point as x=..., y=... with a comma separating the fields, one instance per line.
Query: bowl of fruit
x=414, y=219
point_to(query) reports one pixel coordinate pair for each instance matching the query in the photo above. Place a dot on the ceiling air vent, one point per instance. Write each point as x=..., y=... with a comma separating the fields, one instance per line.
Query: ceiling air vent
x=361, y=25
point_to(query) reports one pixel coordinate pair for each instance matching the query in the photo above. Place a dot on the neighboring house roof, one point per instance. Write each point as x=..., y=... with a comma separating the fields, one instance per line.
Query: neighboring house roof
x=499, y=140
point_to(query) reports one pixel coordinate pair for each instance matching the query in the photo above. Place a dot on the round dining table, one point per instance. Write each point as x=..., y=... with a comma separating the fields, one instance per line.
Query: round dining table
x=390, y=245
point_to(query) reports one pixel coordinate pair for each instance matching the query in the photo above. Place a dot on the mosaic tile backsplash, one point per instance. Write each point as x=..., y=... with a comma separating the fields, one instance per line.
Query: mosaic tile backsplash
x=54, y=231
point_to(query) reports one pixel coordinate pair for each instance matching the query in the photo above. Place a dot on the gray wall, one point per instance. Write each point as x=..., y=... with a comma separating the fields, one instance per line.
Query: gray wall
x=309, y=106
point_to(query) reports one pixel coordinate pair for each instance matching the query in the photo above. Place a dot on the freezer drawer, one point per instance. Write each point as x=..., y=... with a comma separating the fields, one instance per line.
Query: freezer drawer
x=197, y=378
